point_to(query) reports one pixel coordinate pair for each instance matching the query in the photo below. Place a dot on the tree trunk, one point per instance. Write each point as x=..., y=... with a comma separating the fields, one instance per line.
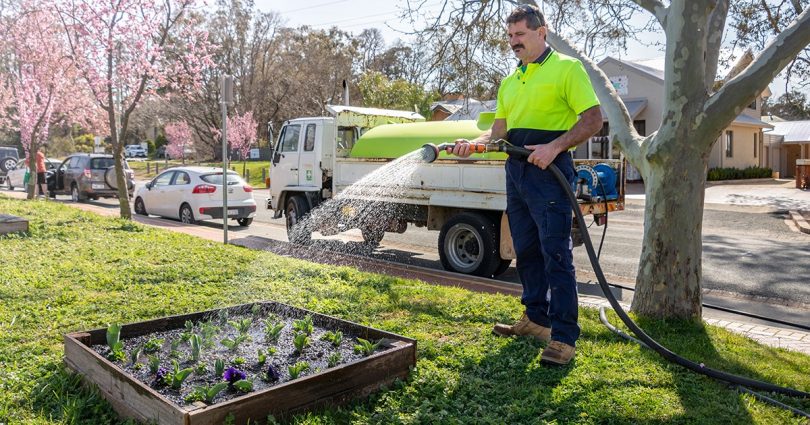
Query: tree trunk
x=670, y=274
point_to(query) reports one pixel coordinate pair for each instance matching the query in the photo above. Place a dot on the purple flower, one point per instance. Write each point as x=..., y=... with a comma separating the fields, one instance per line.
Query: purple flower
x=272, y=374
x=233, y=374
x=160, y=376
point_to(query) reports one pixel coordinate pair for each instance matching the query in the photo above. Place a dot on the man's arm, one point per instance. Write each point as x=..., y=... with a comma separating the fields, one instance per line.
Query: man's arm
x=589, y=123
x=498, y=131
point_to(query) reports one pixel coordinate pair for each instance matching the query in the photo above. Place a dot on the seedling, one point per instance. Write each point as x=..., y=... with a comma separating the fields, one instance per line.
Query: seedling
x=153, y=345
x=206, y=393
x=241, y=326
x=134, y=354
x=256, y=310
x=243, y=385
x=114, y=342
x=261, y=357
x=333, y=359
x=196, y=347
x=175, y=377
x=296, y=369
x=304, y=325
x=334, y=337
x=219, y=367
x=233, y=344
x=365, y=347
x=201, y=369
x=238, y=361
x=154, y=364
x=300, y=341
x=273, y=330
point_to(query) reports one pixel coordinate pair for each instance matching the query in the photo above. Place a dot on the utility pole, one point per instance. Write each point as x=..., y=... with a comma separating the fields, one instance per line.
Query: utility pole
x=226, y=98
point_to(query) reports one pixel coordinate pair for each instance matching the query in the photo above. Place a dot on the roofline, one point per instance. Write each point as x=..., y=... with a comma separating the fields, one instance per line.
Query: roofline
x=631, y=65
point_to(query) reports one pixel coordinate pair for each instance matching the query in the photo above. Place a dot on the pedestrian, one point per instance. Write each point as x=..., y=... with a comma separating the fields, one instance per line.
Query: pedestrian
x=40, y=170
x=548, y=105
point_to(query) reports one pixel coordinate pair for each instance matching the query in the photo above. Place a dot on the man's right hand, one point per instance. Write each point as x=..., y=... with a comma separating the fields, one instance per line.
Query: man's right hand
x=462, y=148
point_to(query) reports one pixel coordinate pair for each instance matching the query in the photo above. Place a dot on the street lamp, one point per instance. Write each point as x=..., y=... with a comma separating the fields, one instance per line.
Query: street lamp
x=226, y=98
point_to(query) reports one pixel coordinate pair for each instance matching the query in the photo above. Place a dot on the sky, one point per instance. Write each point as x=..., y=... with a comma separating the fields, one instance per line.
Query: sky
x=356, y=15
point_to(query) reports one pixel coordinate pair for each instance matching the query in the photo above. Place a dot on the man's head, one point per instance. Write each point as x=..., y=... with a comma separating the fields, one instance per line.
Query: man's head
x=526, y=27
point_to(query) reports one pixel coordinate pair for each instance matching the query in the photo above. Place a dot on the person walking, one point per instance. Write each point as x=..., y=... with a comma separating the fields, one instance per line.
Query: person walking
x=548, y=105
x=40, y=169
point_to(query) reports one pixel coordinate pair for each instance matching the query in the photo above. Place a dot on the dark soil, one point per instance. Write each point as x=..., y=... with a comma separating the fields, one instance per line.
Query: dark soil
x=316, y=354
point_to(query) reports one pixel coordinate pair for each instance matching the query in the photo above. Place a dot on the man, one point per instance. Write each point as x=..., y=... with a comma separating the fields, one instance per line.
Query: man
x=546, y=105
x=40, y=170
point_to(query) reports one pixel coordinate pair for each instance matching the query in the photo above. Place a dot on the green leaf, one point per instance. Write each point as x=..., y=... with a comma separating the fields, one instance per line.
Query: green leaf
x=113, y=335
x=243, y=385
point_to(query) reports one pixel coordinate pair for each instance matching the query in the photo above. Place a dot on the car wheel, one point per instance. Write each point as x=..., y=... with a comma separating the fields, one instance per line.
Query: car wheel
x=186, y=214
x=468, y=243
x=7, y=164
x=244, y=222
x=8, y=183
x=140, y=208
x=298, y=231
x=75, y=195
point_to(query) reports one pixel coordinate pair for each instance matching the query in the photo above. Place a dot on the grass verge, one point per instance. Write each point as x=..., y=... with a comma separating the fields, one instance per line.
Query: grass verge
x=145, y=170
x=76, y=270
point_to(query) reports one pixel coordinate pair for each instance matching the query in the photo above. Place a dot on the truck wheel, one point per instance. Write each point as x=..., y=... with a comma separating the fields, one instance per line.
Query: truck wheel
x=372, y=236
x=297, y=230
x=468, y=243
x=7, y=164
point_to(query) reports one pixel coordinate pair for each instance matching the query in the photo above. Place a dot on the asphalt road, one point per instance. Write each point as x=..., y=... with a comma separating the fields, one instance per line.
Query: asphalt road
x=752, y=261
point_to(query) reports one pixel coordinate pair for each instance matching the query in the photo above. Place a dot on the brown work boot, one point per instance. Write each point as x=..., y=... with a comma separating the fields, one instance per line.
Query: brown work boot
x=522, y=327
x=558, y=353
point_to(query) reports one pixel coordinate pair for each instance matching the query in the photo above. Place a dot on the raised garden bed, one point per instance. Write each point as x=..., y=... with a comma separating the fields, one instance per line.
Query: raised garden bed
x=254, y=379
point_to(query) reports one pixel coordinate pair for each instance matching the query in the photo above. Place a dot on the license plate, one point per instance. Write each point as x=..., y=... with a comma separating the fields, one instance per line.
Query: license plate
x=233, y=212
x=98, y=186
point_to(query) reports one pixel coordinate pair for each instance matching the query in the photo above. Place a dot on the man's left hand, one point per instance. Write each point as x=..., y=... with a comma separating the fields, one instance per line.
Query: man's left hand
x=542, y=155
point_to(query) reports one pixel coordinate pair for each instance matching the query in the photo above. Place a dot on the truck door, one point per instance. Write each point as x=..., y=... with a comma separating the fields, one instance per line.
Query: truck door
x=309, y=169
x=284, y=172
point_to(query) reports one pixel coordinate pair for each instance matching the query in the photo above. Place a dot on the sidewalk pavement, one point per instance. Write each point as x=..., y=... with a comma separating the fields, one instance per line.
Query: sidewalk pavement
x=758, y=196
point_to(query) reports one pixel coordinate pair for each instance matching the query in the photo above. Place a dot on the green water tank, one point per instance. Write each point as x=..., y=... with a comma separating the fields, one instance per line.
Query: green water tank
x=396, y=140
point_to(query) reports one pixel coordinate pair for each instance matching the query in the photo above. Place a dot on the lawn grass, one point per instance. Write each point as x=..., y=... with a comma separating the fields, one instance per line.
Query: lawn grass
x=76, y=271
x=145, y=170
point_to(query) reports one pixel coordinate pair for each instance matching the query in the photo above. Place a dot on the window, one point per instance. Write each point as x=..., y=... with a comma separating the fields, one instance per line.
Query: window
x=100, y=163
x=753, y=105
x=216, y=179
x=309, y=138
x=289, y=141
x=164, y=179
x=729, y=144
x=181, y=178
x=756, y=145
x=74, y=162
x=346, y=138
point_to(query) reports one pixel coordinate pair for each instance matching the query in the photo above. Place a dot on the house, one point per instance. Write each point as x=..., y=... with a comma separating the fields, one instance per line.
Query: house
x=456, y=107
x=640, y=84
x=786, y=143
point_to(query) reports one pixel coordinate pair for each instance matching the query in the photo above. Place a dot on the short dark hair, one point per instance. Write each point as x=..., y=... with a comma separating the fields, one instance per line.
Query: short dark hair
x=531, y=14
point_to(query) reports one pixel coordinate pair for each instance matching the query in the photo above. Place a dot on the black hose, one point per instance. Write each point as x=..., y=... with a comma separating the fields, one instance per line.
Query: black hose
x=654, y=345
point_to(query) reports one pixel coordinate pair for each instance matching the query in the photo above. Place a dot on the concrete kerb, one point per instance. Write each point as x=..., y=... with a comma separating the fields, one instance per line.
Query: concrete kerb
x=801, y=223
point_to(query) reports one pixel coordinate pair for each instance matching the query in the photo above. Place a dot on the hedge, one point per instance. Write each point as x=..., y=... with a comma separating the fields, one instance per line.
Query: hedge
x=738, y=174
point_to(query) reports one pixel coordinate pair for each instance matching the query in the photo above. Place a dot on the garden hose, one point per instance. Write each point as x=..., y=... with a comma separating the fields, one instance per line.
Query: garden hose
x=430, y=153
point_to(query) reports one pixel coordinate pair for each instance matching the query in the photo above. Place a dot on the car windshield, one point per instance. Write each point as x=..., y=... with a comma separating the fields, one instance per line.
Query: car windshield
x=233, y=178
x=99, y=163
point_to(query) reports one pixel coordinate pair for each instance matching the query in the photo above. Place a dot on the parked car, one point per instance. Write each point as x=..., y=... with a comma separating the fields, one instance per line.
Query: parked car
x=16, y=177
x=88, y=175
x=134, y=151
x=9, y=157
x=195, y=193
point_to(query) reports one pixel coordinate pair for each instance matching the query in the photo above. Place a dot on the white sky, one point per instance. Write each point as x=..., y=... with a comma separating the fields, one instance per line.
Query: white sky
x=356, y=15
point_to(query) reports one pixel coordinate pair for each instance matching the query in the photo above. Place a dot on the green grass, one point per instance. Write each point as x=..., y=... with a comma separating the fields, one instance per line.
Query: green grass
x=76, y=271
x=146, y=169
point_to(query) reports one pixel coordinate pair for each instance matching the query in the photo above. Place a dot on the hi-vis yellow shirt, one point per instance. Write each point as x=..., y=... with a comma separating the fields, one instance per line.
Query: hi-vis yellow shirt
x=548, y=95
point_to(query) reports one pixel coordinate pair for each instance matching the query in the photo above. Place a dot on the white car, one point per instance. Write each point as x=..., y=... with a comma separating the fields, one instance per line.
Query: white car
x=134, y=151
x=16, y=177
x=195, y=193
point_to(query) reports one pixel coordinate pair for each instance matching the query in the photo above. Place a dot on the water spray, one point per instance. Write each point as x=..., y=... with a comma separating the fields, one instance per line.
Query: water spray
x=430, y=153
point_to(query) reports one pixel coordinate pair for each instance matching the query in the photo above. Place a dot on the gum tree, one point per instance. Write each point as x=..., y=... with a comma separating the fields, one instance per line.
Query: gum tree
x=128, y=49
x=673, y=159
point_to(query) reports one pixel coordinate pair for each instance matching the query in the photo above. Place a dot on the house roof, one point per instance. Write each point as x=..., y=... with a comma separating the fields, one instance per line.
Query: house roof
x=653, y=68
x=634, y=107
x=792, y=131
x=472, y=110
x=744, y=119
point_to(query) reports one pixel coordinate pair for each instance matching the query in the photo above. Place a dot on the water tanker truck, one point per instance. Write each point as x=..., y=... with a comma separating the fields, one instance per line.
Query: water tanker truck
x=317, y=163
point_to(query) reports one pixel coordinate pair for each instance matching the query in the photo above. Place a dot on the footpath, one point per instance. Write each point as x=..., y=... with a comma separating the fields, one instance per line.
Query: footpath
x=771, y=195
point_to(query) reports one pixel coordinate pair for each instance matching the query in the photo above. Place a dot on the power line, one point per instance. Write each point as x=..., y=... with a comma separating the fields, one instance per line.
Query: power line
x=314, y=7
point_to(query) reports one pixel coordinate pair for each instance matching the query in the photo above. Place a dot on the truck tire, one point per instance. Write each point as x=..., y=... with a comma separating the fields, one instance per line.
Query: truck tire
x=468, y=243
x=296, y=211
x=372, y=236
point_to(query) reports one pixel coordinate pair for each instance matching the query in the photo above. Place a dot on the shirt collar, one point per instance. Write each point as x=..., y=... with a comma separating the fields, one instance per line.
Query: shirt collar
x=542, y=58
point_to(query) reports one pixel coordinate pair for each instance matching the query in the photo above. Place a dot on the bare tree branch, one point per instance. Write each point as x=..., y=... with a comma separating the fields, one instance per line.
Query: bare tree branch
x=621, y=124
x=655, y=7
x=744, y=88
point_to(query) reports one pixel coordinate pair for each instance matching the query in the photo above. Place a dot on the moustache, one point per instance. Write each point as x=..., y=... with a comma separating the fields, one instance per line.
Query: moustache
x=518, y=46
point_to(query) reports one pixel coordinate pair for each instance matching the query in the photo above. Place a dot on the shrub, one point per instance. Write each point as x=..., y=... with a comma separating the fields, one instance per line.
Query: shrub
x=716, y=174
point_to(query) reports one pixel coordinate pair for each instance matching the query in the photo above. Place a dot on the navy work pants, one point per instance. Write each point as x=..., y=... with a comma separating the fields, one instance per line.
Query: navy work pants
x=540, y=222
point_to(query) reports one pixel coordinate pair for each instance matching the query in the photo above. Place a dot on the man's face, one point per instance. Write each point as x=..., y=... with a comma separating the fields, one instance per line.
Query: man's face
x=527, y=44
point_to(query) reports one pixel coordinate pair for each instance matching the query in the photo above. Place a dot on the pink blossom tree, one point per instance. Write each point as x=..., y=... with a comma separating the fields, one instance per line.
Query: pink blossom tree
x=180, y=139
x=38, y=92
x=128, y=49
x=242, y=134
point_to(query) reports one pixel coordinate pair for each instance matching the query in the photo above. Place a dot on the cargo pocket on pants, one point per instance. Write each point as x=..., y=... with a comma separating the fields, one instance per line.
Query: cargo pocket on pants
x=557, y=220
